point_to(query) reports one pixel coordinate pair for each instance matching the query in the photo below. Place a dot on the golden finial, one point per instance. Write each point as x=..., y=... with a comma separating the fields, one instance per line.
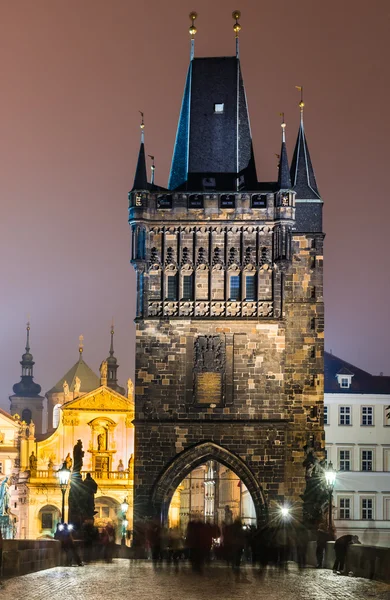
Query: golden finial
x=81, y=344
x=142, y=126
x=192, y=29
x=236, y=27
x=283, y=126
x=301, y=104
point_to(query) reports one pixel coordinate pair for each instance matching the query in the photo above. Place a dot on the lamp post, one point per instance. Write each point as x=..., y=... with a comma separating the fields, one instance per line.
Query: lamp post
x=124, y=508
x=63, y=477
x=330, y=478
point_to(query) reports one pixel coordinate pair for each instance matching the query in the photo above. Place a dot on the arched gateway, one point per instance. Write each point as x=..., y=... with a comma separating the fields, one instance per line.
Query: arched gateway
x=191, y=458
x=230, y=313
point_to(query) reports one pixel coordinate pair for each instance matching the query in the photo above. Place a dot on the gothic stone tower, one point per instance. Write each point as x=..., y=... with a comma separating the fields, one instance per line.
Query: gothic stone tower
x=230, y=317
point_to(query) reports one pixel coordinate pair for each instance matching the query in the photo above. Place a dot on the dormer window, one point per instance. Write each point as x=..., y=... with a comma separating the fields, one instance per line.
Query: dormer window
x=219, y=108
x=344, y=380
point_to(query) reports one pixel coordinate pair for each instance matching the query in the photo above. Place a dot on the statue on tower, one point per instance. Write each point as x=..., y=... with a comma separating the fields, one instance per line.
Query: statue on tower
x=77, y=385
x=130, y=389
x=65, y=387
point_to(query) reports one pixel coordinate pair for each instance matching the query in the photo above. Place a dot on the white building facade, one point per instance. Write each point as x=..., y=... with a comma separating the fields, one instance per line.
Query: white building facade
x=357, y=434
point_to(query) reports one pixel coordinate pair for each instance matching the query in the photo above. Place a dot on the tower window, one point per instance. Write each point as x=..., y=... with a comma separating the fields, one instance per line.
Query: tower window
x=219, y=107
x=187, y=287
x=26, y=416
x=235, y=291
x=171, y=287
x=250, y=285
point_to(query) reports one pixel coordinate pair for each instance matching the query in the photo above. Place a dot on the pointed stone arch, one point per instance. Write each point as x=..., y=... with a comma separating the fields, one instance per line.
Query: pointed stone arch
x=192, y=457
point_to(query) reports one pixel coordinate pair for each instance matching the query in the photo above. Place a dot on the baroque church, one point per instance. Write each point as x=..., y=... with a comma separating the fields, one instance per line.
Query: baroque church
x=80, y=406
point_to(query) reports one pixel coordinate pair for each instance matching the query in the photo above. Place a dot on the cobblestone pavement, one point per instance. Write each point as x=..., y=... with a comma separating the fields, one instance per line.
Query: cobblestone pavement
x=138, y=580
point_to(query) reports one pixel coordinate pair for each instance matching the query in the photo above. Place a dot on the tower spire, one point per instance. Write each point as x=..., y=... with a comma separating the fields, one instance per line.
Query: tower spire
x=284, y=179
x=192, y=31
x=81, y=346
x=141, y=179
x=237, y=28
x=27, y=387
x=112, y=366
x=302, y=172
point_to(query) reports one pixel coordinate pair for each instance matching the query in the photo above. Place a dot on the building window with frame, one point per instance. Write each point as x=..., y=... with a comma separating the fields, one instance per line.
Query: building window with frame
x=326, y=415
x=367, y=415
x=367, y=460
x=188, y=288
x=235, y=291
x=345, y=415
x=386, y=416
x=171, y=287
x=1, y=468
x=250, y=288
x=367, y=505
x=344, y=508
x=344, y=460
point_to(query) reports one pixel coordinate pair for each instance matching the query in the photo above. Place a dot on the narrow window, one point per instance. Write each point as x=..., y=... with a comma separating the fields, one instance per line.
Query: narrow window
x=344, y=508
x=367, y=508
x=367, y=415
x=250, y=286
x=367, y=460
x=235, y=287
x=326, y=422
x=26, y=416
x=345, y=415
x=187, y=287
x=171, y=287
x=345, y=460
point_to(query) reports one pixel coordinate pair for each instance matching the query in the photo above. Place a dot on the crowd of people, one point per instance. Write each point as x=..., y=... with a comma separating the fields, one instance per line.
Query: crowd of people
x=270, y=544
x=92, y=544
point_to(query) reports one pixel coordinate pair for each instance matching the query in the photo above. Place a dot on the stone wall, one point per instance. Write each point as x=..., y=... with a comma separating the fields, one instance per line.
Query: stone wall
x=27, y=556
x=371, y=562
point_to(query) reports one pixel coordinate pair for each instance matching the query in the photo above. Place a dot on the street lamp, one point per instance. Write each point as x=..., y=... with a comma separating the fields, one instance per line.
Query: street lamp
x=63, y=476
x=285, y=512
x=124, y=508
x=330, y=478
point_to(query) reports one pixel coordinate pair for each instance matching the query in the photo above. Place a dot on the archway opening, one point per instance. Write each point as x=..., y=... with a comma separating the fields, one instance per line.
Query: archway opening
x=108, y=510
x=212, y=493
x=49, y=516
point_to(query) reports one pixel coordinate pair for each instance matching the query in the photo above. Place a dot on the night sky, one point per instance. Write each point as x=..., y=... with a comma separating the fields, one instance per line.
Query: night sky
x=74, y=76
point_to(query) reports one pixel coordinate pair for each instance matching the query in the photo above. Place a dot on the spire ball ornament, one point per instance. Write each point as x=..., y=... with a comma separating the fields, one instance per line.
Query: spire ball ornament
x=192, y=29
x=236, y=27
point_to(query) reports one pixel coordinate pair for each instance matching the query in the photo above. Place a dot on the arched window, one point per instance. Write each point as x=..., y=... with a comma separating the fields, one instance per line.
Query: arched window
x=26, y=415
x=56, y=415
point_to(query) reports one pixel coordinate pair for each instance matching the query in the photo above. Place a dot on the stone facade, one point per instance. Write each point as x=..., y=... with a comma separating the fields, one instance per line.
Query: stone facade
x=230, y=318
x=271, y=393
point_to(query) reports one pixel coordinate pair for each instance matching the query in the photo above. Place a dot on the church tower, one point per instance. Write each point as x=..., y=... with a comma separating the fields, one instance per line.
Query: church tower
x=230, y=317
x=26, y=400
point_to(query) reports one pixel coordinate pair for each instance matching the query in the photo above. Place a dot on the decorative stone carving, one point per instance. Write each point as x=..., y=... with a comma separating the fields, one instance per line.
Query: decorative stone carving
x=265, y=256
x=202, y=257
x=217, y=257
x=249, y=257
x=70, y=420
x=202, y=309
x=154, y=261
x=234, y=258
x=186, y=257
x=209, y=353
x=171, y=309
x=170, y=257
x=155, y=309
x=218, y=309
x=265, y=309
x=233, y=309
x=187, y=309
x=249, y=309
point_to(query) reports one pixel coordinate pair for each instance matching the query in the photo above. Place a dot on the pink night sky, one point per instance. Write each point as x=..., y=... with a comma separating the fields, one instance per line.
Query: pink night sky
x=74, y=76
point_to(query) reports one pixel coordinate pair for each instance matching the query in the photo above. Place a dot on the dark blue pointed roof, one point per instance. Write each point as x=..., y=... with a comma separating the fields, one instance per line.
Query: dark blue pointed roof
x=284, y=179
x=27, y=388
x=141, y=179
x=362, y=382
x=213, y=135
x=302, y=173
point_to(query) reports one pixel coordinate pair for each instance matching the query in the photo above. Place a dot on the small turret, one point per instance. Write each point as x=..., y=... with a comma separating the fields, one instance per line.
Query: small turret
x=27, y=388
x=141, y=179
x=112, y=368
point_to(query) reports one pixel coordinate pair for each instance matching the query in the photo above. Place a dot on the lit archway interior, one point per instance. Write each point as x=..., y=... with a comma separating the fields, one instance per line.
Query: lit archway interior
x=213, y=493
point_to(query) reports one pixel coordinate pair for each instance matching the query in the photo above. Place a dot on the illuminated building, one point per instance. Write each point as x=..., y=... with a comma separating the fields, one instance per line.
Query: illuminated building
x=229, y=341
